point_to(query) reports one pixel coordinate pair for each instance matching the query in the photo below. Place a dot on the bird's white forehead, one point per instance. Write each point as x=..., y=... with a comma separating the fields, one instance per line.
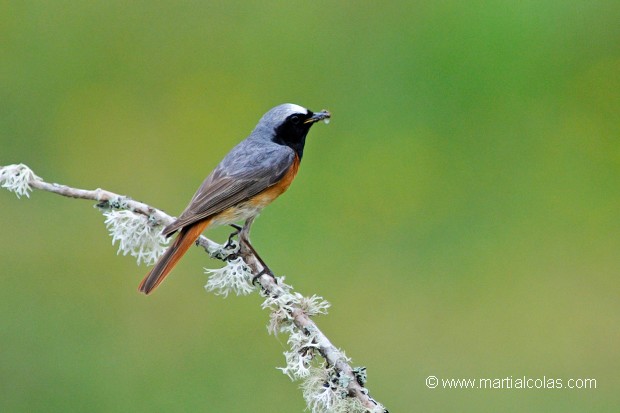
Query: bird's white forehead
x=293, y=108
x=281, y=112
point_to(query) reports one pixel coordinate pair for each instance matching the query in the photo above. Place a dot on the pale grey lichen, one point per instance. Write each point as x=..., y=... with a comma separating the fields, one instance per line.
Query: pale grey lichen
x=314, y=305
x=220, y=251
x=234, y=277
x=297, y=364
x=360, y=375
x=303, y=343
x=324, y=393
x=282, y=302
x=325, y=388
x=16, y=178
x=303, y=349
x=118, y=203
x=135, y=235
x=317, y=391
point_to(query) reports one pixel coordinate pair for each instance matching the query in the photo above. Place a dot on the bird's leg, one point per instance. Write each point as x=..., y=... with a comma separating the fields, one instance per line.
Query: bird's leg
x=229, y=243
x=244, y=237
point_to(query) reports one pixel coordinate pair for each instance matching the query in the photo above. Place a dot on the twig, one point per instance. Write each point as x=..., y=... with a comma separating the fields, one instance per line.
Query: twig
x=336, y=387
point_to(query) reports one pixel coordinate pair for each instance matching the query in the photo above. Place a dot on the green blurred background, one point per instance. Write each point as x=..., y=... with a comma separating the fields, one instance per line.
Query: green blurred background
x=460, y=212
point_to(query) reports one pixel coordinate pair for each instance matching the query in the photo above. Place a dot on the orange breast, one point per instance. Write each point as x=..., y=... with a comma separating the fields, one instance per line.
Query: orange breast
x=268, y=195
x=253, y=206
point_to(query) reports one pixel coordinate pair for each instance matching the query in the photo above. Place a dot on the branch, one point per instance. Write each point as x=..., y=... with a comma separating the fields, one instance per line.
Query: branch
x=331, y=385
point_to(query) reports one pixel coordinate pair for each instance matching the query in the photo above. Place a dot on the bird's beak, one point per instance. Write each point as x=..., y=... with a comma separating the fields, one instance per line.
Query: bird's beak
x=324, y=114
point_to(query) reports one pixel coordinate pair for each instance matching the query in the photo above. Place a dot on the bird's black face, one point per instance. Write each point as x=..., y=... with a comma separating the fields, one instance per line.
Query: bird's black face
x=293, y=130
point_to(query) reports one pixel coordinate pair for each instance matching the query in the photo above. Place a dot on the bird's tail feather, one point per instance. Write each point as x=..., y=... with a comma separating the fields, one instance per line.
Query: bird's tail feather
x=187, y=236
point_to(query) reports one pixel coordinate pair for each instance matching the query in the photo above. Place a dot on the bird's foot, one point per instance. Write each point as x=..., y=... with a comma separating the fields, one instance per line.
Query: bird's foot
x=231, y=243
x=263, y=272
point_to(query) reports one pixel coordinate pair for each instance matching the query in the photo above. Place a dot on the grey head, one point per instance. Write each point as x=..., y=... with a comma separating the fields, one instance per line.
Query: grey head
x=288, y=124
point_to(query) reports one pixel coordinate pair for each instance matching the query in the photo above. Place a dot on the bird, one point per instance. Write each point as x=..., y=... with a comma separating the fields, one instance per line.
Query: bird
x=251, y=176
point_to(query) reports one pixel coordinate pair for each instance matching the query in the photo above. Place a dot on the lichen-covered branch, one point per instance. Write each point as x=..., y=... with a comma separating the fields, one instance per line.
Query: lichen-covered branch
x=329, y=382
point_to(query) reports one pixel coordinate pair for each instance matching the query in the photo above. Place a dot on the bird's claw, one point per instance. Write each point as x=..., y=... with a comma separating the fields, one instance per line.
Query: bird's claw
x=231, y=243
x=260, y=274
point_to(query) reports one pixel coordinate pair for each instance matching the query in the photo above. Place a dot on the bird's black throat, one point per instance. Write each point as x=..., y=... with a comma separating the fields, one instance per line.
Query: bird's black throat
x=293, y=131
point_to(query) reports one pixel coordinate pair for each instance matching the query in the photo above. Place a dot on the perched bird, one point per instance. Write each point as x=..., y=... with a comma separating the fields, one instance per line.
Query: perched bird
x=253, y=174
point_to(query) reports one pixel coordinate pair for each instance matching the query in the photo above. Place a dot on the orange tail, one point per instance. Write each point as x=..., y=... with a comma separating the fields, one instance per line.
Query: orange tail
x=187, y=236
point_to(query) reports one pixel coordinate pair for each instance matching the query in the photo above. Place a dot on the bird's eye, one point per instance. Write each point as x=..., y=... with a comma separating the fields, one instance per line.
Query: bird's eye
x=295, y=119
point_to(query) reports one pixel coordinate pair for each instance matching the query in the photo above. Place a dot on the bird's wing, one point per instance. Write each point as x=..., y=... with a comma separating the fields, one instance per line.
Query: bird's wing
x=246, y=171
